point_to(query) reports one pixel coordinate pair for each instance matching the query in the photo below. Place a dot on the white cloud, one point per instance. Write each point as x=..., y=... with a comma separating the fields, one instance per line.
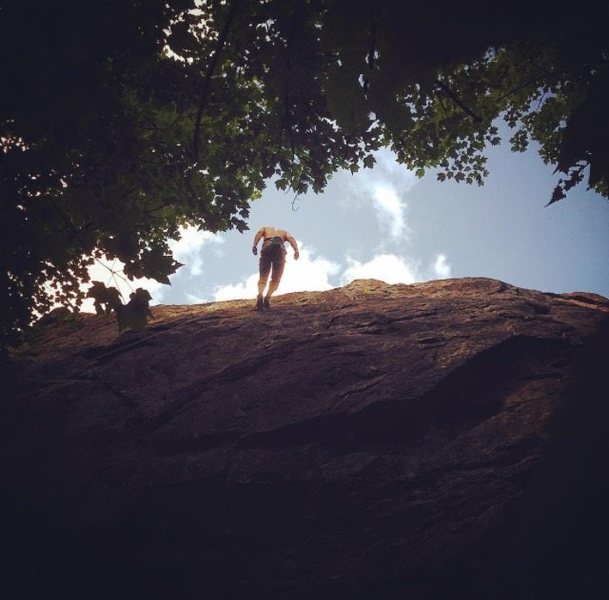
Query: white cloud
x=237, y=291
x=187, y=249
x=391, y=209
x=388, y=166
x=308, y=273
x=441, y=267
x=386, y=267
x=314, y=273
x=385, y=186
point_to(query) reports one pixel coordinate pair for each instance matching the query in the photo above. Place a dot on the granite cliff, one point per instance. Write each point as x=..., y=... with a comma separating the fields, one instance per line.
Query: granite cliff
x=444, y=439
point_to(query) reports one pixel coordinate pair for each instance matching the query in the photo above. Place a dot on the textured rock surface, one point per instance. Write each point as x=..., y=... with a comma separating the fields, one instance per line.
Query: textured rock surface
x=371, y=441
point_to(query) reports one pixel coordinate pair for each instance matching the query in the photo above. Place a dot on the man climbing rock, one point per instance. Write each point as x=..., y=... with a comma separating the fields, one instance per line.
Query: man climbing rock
x=272, y=256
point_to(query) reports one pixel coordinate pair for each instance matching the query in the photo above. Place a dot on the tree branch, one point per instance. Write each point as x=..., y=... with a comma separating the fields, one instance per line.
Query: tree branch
x=458, y=101
x=213, y=63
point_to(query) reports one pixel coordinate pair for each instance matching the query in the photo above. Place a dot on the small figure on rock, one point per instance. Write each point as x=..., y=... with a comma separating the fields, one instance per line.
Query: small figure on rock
x=272, y=260
x=106, y=298
x=134, y=315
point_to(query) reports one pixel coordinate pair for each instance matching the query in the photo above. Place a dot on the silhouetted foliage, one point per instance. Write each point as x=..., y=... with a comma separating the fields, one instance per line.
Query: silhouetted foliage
x=134, y=315
x=124, y=120
x=105, y=299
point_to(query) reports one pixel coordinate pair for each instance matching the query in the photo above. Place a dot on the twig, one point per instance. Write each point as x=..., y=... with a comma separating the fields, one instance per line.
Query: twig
x=520, y=87
x=294, y=201
x=232, y=11
x=458, y=102
x=439, y=97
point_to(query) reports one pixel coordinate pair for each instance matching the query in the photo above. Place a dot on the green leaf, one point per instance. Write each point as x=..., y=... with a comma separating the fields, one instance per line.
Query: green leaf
x=181, y=39
x=106, y=298
x=158, y=265
x=369, y=161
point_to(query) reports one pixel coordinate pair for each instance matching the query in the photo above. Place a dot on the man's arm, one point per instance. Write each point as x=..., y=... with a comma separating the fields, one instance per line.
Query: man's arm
x=294, y=245
x=257, y=237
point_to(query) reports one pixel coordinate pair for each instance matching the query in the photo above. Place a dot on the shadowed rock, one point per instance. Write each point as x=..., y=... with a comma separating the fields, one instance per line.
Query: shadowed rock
x=422, y=441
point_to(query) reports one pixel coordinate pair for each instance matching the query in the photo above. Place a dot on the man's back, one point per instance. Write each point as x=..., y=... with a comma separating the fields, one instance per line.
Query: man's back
x=272, y=232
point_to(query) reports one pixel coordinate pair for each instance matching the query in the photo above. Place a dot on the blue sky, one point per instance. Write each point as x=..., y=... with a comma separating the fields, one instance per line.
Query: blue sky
x=387, y=224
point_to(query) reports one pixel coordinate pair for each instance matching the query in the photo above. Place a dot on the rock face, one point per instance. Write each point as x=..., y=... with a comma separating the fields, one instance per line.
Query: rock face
x=436, y=440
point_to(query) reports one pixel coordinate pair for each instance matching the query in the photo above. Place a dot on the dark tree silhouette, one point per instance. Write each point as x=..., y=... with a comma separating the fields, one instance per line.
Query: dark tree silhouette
x=122, y=121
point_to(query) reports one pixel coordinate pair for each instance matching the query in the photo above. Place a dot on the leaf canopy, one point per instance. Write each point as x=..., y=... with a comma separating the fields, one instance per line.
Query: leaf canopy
x=123, y=121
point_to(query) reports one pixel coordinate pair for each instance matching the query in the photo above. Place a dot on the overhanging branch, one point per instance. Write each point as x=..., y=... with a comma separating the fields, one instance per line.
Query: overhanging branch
x=458, y=101
x=213, y=63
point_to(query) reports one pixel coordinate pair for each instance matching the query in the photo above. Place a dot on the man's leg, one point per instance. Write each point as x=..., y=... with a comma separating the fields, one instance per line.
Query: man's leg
x=278, y=266
x=265, y=269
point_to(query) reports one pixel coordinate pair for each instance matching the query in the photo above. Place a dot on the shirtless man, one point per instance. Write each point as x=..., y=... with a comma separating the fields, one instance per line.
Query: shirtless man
x=272, y=255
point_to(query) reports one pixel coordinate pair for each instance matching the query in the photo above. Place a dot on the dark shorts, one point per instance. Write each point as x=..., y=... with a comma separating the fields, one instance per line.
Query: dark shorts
x=272, y=256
